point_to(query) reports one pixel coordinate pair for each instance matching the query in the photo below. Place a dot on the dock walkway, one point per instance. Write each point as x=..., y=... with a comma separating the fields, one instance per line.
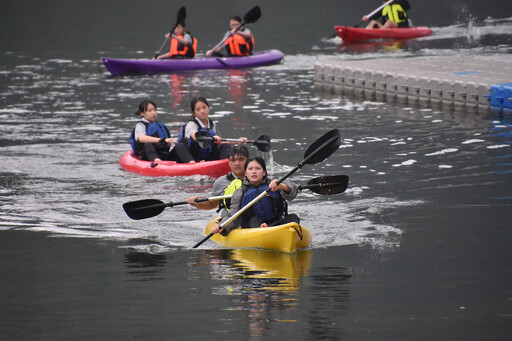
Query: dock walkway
x=482, y=81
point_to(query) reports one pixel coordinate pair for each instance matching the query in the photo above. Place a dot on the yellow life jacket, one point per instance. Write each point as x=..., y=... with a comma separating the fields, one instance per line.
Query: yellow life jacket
x=395, y=13
x=232, y=187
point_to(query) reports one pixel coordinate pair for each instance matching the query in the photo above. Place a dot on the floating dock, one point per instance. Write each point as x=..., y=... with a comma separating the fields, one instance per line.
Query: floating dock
x=483, y=81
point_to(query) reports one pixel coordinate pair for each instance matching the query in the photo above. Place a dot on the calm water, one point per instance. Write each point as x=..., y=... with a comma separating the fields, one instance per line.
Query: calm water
x=418, y=247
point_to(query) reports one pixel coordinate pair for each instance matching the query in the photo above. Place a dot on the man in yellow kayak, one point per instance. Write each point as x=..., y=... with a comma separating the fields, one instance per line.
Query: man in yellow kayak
x=393, y=16
x=226, y=185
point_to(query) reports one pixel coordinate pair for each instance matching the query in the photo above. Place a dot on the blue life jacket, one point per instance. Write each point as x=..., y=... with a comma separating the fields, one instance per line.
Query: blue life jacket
x=268, y=209
x=205, y=153
x=155, y=129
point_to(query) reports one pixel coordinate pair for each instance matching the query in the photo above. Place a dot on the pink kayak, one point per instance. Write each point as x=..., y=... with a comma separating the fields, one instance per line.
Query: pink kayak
x=214, y=169
x=350, y=34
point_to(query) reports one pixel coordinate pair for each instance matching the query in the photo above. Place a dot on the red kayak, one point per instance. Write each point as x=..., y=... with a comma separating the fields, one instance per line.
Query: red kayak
x=350, y=34
x=213, y=169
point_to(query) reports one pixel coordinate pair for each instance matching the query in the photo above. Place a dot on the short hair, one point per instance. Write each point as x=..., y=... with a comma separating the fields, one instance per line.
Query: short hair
x=238, y=149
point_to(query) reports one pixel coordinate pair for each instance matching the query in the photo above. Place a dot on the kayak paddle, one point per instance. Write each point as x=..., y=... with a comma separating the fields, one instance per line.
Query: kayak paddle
x=249, y=18
x=320, y=150
x=147, y=208
x=180, y=17
x=262, y=142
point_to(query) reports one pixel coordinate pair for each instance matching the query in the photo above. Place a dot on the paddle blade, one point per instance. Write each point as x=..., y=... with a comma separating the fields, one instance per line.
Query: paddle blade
x=203, y=139
x=181, y=16
x=322, y=148
x=327, y=185
x=263, y=143
x=142, y=209
x=253, y=15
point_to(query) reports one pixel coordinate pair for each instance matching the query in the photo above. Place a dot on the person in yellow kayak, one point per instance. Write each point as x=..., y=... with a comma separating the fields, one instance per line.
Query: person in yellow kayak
x=270, y=210
x=182, y=46
x=239, y=42
x=227, y=184
x=393, y=16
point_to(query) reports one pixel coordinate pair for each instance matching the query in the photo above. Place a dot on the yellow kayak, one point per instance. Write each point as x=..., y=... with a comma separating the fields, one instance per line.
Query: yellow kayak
x=286, y=238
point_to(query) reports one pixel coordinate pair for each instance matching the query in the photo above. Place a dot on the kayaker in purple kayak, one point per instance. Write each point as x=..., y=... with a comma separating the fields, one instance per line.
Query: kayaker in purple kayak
x=393, y=15
x=182, y=46
x=238, y=41
x=152, y=141
x=200, y=122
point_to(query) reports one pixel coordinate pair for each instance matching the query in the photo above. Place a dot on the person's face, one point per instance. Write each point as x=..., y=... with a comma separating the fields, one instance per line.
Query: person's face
x=234, y=24
x=201, y=111
x=151, y=113
x=179, y=30
x=255, y=172
x=237, y=164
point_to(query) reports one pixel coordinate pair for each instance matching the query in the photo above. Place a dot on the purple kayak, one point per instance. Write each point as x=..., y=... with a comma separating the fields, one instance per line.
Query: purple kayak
x=133, y=66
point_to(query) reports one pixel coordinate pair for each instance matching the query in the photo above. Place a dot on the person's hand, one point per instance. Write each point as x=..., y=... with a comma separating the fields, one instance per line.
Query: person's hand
x=365, y=18
x=167, y=36
x=216, y=229
x=192, y=201
x=208, y=53
x=217, y=139
x=244, y=139
x=273, y=185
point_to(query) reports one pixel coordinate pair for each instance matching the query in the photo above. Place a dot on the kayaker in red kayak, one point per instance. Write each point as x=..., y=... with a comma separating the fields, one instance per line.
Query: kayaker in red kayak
x=393, y=16
x=182, y=46
x=270, y=210
x=215, y=150
x=227, y=184
x=152, y=141
x=239, y=42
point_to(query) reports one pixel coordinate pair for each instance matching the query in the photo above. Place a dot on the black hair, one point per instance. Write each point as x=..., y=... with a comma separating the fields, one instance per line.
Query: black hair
x=198, y=99
x=237, y=18
x=258, y=160
x=238, y=149
x=143, y=106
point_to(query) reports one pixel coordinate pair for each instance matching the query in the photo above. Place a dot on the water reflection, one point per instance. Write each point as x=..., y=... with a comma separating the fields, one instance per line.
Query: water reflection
x=256, y=281
x=237, y=85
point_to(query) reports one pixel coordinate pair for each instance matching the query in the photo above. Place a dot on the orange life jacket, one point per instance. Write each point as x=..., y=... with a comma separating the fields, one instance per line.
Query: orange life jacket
x=237, y=45
x=178, y=49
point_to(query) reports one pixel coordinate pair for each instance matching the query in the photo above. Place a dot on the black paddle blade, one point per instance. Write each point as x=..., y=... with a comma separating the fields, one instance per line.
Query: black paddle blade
x=180, y=17
x=253, y=15
x=263, y=143
x=203, y=139
x=322, y=148
x=142, y=209
x=327, y=185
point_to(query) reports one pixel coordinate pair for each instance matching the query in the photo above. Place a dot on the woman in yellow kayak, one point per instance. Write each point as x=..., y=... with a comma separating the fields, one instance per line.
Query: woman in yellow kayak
x=393, y=16
x=270, y=210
